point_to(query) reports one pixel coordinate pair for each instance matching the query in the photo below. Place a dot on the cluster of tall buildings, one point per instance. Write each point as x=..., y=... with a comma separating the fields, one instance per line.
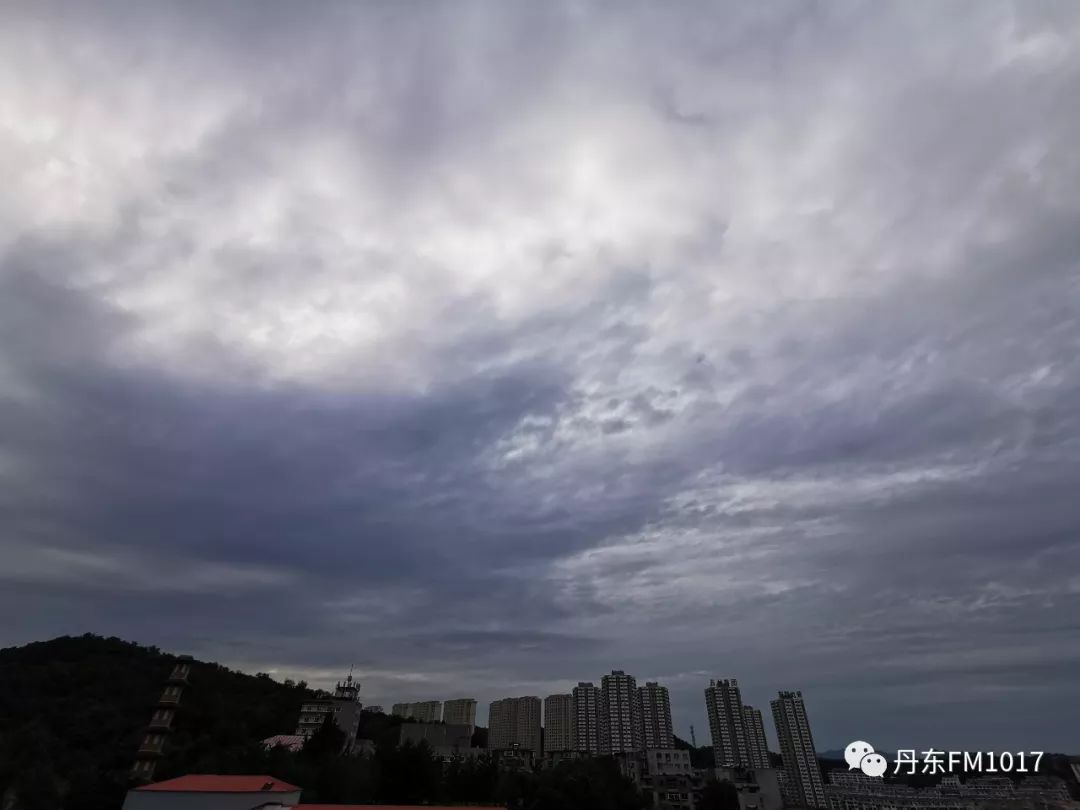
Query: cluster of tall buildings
x=457, y=712
x=620, y=718
x=738, y=735
x=616, y=717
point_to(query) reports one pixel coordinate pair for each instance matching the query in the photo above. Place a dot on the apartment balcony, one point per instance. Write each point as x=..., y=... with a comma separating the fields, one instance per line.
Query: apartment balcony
x=169, y=699
x=162, y=724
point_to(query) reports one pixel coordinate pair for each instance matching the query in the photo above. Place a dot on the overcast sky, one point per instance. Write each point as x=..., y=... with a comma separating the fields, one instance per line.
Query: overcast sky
x=493, y=346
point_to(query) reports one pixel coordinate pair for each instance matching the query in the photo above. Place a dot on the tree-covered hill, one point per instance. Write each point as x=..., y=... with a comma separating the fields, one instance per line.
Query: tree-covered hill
x=72, y=711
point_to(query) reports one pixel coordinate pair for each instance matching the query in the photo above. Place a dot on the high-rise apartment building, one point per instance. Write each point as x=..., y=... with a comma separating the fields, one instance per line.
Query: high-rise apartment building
x=426, y=711
x=460, y=712
x=586, y=723
x=515, y=723
x=723, y=701
x=655, y=706
x=620, y=714
x=502, y=729
x=756, y=744
x=801, y=767
x=559, y=723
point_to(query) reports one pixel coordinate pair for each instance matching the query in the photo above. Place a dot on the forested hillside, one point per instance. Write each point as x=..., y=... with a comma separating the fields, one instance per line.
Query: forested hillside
x=72, y=711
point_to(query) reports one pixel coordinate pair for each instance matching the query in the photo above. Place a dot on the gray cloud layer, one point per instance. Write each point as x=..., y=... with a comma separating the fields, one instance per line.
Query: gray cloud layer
x=493, y=346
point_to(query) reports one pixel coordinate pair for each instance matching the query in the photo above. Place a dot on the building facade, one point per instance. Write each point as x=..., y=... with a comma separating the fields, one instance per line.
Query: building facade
x=460, y=712
x=668, y=780
x=757, y=787
x=426, y=711
x=344, y=707
x=620, y=714
x=666, y=761
x=558, y=723
x=514, y=724
x=655, y=706
x=723, y=702
x=801, y=767
x=586, y=718
x=757, y=746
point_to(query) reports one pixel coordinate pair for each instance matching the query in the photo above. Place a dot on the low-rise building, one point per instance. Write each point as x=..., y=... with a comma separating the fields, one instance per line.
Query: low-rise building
x=513, y=758
x=344, y=707
x=856, y=791
x=667, y=779
x=672, y=791
x=666, y=761
x=213, y=792
x=1043, y=788
x=290, y=742
x=554, y=758
x=759, y=788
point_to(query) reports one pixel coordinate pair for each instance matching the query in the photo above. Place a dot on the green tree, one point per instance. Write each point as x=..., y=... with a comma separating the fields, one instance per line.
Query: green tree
x=91, y=697
x=719, y=796
x=586, y=784
x=327, y=741
x=408, y=774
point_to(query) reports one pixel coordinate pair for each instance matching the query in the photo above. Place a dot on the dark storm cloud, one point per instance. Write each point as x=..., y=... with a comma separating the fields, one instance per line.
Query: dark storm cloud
x=490, y=347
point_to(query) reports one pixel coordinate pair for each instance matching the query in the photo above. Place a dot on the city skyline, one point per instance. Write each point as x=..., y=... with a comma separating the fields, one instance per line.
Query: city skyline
x=488, y=346
x=750, y=756
x=628, y=717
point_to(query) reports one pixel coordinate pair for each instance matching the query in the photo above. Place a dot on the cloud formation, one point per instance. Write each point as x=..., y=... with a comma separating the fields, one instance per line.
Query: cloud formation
x=492, y=346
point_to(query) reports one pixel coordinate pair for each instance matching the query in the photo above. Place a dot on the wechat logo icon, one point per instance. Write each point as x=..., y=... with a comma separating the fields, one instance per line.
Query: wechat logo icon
x=861, y=755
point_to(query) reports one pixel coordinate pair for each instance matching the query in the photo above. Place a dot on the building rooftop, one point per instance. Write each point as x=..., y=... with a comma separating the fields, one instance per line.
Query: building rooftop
x=293, y=742
x=214, y=783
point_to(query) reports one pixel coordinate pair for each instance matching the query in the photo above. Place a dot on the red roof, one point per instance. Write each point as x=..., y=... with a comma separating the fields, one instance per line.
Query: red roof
x=212, y=783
